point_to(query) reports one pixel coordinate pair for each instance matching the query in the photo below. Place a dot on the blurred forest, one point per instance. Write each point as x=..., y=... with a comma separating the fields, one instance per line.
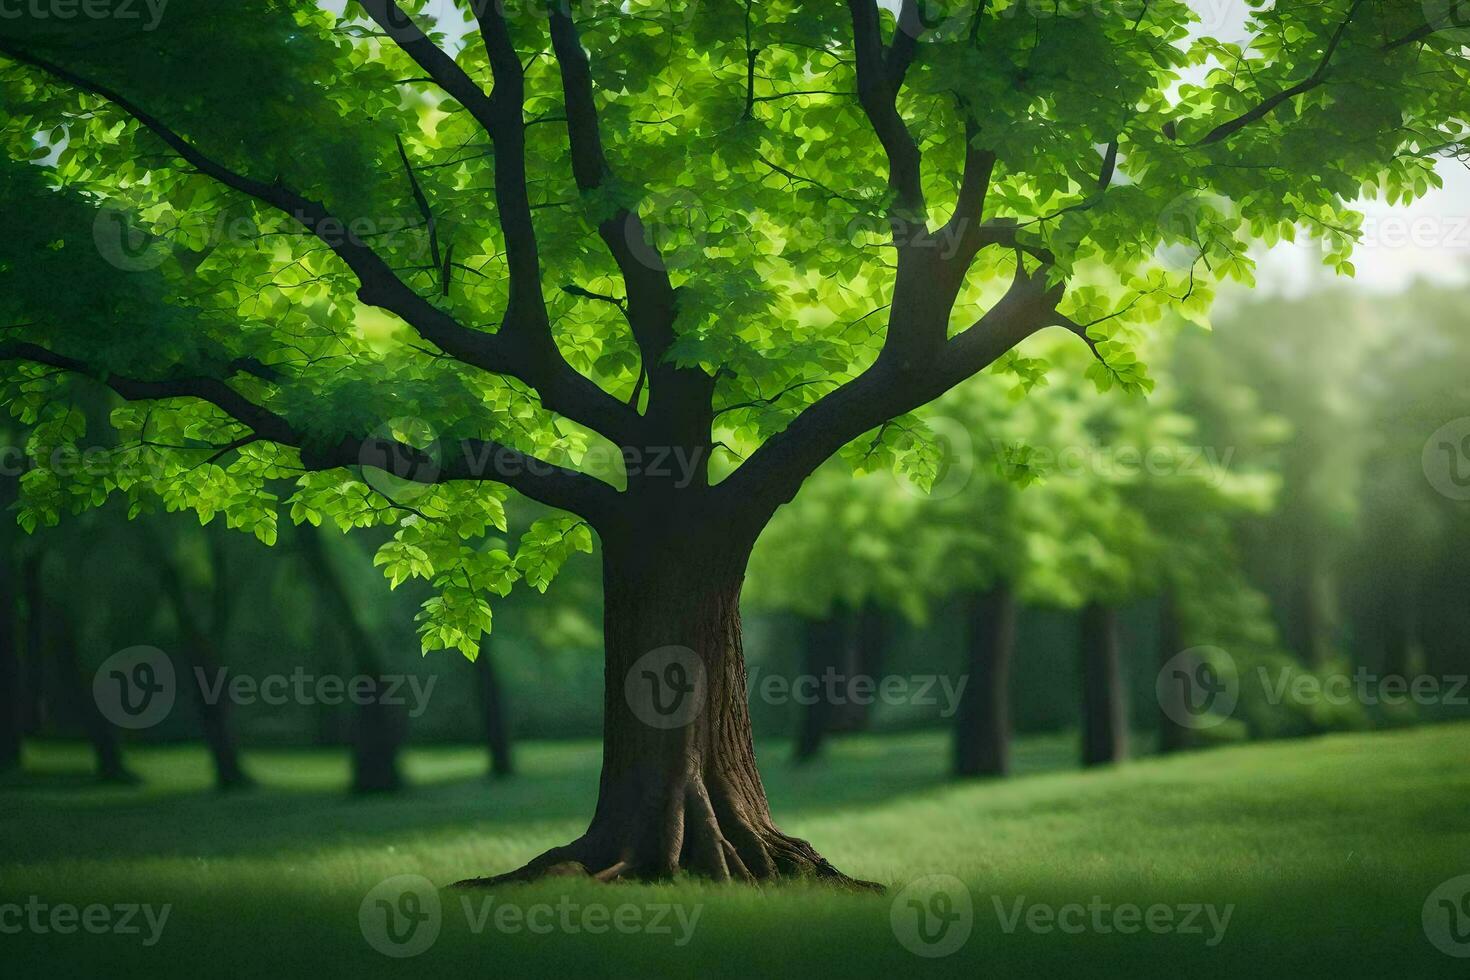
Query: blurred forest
x=1278, y=497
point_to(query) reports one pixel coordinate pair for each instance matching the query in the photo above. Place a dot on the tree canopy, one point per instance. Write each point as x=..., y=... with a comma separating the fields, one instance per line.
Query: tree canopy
x=646, y=251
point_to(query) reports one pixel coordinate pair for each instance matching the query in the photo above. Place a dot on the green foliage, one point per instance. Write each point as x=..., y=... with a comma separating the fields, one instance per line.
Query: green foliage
x=769, y=206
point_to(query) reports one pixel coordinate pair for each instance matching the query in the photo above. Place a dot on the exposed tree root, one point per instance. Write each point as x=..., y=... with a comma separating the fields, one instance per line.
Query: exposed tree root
x=695, y=833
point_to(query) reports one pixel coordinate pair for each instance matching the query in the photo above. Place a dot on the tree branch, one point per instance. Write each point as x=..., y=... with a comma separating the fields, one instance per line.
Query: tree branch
x=1319, y=75
x=886, y=390
x=877, y=95
x=529, y=356
x=471, y=459
x=650, y=293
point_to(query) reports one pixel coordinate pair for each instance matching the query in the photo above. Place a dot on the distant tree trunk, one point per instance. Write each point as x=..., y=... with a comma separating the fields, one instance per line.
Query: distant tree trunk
x=1173, y=737
x=982, y=732
x=492, y=714
x=378, y=729
x=12, y=673
x=1401, y=654
x=202, y=656
x=12, y=679
x=1308, y=624
x=862, y=656
x=823, y=643
x=59, y=640
x=1104, y=731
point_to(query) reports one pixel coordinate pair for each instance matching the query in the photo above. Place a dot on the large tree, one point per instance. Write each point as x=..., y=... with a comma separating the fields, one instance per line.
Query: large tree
x=602, y=257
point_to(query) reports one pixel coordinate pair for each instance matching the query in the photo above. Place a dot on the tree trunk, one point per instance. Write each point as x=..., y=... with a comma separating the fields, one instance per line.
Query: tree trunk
x=824, y=646
x=492, y=714
x=680, y=790
x=982, y=734
x=12, y=678
x=1173, y=737
x=1104, y=731
x=378, y=729
x=203, y=658
x=864, y=659
x=61, y=643
x=12, y=675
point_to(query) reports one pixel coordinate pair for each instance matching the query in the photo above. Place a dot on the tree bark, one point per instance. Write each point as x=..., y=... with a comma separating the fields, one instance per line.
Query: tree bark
x=1104, y=721
x=378, y=729
x=824, y=647
x=680, y=790
x=203, y=657
x=12, y=679
x=60, y=641
x=492, y=714
x=982, y=734
x=865, y=659
x=1173, y=737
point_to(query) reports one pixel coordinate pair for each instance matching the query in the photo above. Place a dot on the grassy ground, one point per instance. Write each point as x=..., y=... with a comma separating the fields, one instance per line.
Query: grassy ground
x=1324, y=852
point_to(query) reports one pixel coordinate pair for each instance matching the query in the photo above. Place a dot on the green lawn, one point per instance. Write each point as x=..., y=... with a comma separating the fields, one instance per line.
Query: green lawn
x=1327, y=849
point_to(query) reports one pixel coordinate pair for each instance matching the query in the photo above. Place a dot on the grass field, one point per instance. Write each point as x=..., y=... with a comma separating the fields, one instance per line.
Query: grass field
x=1322, y=852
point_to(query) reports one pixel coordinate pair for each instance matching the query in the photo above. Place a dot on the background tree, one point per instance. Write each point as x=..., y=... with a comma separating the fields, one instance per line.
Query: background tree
x=288, y=351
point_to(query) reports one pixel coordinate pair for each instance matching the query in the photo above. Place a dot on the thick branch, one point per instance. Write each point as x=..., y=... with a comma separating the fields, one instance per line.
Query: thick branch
x=877, y=94
x=469, y=459
x=499, y=114
x=1317, y=77
x=888, y=389
x=531, y=357
x=649, y=290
